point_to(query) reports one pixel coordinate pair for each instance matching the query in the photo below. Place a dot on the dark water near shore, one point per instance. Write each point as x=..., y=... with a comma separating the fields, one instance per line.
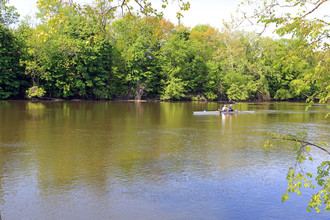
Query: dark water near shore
x=122, y=160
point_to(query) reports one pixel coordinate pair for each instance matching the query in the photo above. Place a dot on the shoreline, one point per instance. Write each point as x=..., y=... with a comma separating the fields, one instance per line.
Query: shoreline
x=156, y=100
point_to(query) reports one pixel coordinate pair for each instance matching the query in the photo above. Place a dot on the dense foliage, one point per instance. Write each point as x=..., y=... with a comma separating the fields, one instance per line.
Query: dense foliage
x=87, y=52
x=12, y=78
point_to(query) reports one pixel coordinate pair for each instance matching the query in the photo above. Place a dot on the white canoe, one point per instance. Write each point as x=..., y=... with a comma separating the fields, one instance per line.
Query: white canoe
x=221, y=112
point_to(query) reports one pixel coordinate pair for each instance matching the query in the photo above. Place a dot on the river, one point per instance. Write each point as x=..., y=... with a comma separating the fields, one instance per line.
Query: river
x=151, y=160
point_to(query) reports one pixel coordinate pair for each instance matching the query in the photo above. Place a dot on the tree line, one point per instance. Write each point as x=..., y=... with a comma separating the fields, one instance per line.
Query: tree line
x=89, y=52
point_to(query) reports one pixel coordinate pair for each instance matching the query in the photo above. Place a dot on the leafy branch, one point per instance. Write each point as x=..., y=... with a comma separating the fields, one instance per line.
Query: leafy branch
x=298, y=179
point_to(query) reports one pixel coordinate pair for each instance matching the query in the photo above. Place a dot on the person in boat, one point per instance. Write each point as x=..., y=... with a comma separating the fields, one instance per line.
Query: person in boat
x=224, y=108
x=230, y=108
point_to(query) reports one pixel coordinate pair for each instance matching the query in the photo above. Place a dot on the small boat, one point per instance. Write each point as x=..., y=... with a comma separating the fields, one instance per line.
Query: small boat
x=205, y=112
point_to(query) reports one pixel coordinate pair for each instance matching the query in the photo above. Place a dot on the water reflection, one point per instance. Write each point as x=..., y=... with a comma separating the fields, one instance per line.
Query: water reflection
x=146, y=160
x=227, y=119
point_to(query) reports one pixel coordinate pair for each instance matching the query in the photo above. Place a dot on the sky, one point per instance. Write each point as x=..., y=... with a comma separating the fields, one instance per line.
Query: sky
x=211, y=12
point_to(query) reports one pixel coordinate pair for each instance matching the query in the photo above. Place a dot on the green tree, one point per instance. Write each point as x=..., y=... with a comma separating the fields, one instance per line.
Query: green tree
x=68, y=53
x=183, y=67
x=138, y=42
x=302, y=20
x=289, y=68
x=243, y=75
x=77, y=61
x=8, y=14
x=12, y=78
x=213, y=86
x=143, y=69
x=208, y=38
x=33, y=47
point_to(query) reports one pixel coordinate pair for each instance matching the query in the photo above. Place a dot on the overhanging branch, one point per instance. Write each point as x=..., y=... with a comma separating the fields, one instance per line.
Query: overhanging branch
x=304, y=143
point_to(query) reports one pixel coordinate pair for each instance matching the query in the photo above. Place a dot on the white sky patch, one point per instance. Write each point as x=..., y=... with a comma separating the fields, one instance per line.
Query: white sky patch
x=211, y=12
x=25, y=7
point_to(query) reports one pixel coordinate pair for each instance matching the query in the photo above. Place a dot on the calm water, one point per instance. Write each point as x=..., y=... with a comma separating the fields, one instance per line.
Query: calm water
x=121, y=160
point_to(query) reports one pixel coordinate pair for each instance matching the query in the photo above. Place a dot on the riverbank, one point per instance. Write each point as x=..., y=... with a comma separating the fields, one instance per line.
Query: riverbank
x=156, y=100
